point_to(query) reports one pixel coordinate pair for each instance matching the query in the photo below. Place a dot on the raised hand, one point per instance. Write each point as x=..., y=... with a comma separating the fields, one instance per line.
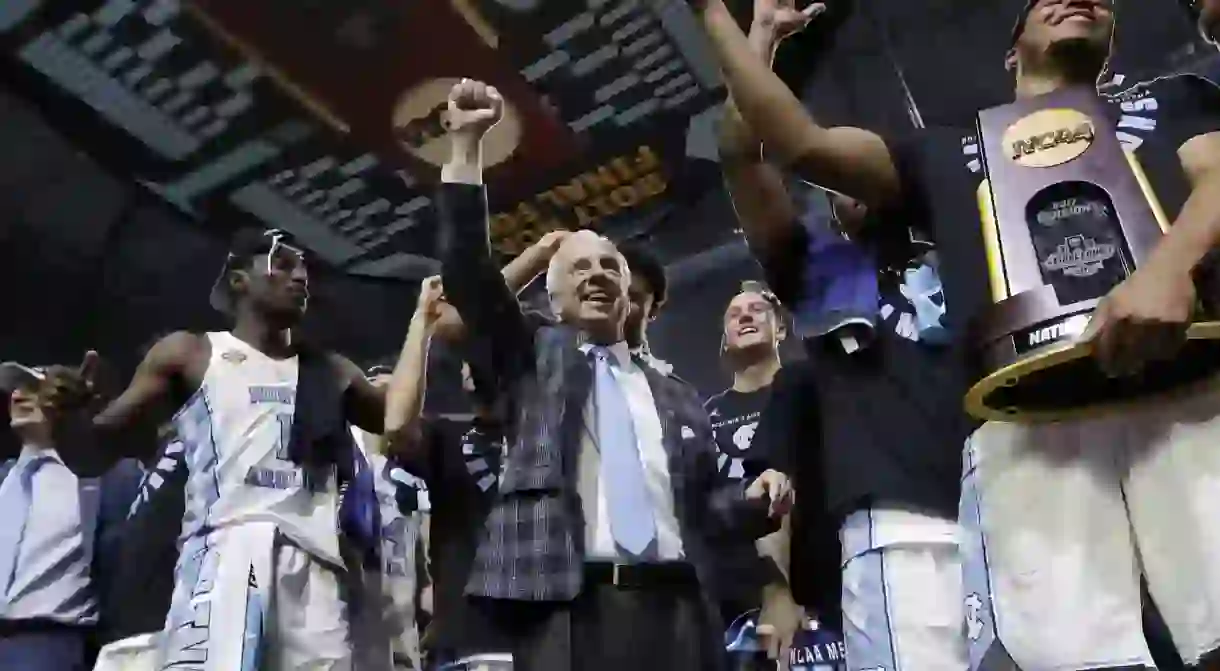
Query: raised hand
x=67, y=388
x=431, y=304
x=779, y=19
x=473, y=108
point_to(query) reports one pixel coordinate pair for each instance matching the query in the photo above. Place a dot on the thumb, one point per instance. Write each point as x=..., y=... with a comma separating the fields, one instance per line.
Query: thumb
x=1096, y=323
x=88, y=366
x=814, y=10
x=483, y=115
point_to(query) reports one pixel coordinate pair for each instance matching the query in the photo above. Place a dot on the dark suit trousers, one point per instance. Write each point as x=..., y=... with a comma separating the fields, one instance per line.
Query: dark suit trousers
x=54, y=650
x=611, y=629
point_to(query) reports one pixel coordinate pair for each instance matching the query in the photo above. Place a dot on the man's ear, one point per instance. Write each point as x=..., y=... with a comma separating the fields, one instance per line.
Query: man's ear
x=238, y=281
x=1010, y=60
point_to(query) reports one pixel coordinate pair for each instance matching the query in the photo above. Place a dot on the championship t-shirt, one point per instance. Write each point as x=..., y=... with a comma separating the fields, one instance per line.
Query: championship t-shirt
x=741, y=573
x=734, y=416
x=462, y=471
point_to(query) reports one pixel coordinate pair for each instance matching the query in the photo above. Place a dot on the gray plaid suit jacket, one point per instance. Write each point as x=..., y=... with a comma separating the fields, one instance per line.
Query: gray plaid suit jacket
x=533, y=545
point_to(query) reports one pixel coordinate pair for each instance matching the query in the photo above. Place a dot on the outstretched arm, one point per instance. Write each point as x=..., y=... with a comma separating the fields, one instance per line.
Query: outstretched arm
x=91, y=441
x=851, y=161
x=760, y=198
x=498, y=334
x=405, y=398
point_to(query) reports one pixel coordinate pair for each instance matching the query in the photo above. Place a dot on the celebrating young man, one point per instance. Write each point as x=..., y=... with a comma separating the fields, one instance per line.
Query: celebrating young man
x=1058, y=508
x=264, y=424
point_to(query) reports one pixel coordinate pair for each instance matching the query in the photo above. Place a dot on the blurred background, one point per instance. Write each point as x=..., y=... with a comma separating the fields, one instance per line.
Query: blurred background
x=135, y=135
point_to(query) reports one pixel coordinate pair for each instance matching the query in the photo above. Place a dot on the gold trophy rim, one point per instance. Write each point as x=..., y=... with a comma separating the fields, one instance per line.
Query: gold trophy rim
x=1060, y=353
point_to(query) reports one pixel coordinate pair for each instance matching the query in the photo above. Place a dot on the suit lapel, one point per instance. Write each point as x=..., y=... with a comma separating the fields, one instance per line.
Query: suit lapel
x=662, y=397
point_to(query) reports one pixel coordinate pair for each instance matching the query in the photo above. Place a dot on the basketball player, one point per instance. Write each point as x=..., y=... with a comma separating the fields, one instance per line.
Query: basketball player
x=258, y=579
x=1059, y=508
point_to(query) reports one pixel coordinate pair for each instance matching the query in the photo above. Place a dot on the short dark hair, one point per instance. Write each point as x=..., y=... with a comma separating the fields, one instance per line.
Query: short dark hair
x=756, y=287
x=643, y=263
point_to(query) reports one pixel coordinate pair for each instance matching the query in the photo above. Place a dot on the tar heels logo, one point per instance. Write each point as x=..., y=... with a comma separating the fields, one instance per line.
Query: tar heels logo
x=922, y=317
x=744, y=435
x=170, y=462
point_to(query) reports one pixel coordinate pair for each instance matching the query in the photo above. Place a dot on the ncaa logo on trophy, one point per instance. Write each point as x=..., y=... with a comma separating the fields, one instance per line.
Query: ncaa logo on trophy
x=1067, y=215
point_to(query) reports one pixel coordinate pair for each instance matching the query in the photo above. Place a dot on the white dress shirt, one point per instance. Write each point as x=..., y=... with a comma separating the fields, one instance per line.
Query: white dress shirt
x=51, y=578
x=599, y=541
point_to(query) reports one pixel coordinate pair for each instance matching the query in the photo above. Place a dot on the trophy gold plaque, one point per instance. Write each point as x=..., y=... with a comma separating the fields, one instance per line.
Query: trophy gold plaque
x=1067, y=215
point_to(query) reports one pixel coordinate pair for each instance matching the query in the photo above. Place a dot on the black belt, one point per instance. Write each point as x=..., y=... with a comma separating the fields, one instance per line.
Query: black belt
x=40, y=626
x=664, y=575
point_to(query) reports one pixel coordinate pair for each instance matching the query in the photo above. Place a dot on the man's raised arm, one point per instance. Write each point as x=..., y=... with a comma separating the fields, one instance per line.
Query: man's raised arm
x=851, y=161
x=499, y=336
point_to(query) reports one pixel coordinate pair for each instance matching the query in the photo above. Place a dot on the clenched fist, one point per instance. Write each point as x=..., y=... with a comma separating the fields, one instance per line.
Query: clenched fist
x=473, y=108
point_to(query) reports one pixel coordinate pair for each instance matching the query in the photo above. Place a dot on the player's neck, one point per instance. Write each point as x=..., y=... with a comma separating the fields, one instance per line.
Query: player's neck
x=1034, y=81
x=756, y=374
x=273, y=341
x=36, y=435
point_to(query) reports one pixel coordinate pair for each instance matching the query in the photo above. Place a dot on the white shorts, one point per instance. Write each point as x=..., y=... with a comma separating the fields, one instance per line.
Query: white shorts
x=248, y=600
x=902, y=592
x=1061, y=518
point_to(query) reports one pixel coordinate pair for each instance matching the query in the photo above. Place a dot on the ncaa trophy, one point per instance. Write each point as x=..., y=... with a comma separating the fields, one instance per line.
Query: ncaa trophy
x=1067, y=215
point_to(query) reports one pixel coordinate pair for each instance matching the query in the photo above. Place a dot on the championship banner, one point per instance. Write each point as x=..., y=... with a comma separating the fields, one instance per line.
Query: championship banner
x=323, y=118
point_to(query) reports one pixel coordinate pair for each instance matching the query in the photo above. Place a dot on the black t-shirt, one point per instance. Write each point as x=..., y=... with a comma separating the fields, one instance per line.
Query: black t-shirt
x=462, y=473
x=734, y=416
x=741, y=573
x=892, y=417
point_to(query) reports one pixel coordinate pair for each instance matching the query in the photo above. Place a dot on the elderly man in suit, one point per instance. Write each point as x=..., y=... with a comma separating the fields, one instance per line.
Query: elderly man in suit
x=49, y=524
x=595, y=554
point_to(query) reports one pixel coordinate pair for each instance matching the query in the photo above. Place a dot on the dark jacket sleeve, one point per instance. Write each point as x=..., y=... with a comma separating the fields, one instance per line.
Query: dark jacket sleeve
x=499, y=340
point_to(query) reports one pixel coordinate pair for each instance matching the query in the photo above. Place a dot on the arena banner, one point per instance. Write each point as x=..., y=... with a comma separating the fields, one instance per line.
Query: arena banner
x=323, y=118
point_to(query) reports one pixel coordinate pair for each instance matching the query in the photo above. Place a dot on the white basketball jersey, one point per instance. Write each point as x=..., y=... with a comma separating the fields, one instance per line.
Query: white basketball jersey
x=235, y=430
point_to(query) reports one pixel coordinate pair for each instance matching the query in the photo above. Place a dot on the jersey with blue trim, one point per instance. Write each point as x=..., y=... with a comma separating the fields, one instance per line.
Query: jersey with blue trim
x=235, y=432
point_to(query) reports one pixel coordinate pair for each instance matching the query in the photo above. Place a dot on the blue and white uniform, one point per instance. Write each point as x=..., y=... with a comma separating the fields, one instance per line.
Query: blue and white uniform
x=384, y=630
x=258, y=582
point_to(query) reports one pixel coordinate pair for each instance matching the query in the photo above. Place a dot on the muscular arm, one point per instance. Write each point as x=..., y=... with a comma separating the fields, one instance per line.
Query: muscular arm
x=405, y=398
x=851, y=161
x=498, y=333
x=127, y=425
x=1196, y=231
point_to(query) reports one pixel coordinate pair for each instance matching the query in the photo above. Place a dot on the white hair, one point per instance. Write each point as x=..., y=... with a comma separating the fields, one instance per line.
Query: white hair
x=555, y=269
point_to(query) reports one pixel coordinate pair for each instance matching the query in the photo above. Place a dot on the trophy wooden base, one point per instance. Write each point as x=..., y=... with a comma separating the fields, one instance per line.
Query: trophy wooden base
x=1063, y=382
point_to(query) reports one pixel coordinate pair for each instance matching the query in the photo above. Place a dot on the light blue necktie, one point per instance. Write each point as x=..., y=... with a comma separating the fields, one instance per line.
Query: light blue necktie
x=622, y=473
x=15, y=510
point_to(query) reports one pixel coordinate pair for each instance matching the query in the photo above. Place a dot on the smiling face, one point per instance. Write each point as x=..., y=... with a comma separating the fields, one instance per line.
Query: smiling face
x=24, y=409
x=751, y=325
x=1076, y=31
x=588, y=283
